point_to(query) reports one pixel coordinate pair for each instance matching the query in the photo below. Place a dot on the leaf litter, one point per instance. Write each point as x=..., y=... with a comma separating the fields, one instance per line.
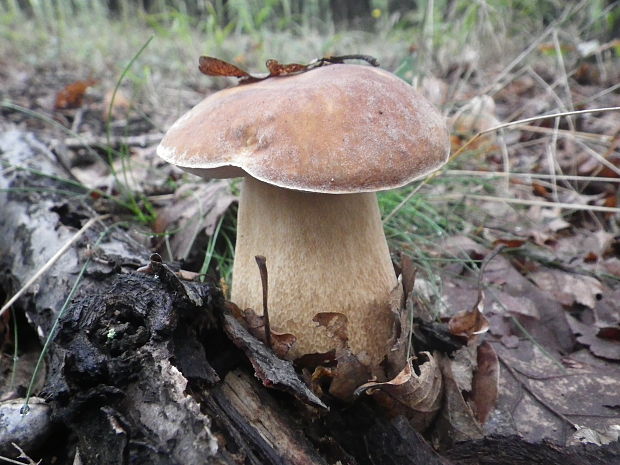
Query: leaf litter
x=553, y=321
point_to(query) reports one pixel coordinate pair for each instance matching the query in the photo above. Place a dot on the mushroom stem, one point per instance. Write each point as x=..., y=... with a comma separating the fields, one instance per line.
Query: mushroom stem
x=327, y=253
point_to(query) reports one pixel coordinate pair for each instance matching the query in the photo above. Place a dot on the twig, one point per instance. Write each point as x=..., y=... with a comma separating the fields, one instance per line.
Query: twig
x=142, y=140
x=50, y=262
x=560, y=177
x=540, y=203
x=261, y=261
x=483, y=267
x=22, y=455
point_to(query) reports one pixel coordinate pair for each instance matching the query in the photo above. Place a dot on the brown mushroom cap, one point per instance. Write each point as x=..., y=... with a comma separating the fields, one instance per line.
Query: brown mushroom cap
x=336, y=129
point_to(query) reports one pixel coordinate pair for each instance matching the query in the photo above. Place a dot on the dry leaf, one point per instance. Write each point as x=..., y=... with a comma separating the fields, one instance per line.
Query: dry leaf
x=281, y=343
x=418, y=397
x=456, y=421
x=478, y=115
x=348, y=374
x=195, y=208
x=591, y=336
x=485, y=384
x=271, y=370
x=120, y=104
x=434, y=89
x=469, y=323
x=73, y=94
x=216, y=67
x=585, y=435
x=568, y=288
x=400, y=340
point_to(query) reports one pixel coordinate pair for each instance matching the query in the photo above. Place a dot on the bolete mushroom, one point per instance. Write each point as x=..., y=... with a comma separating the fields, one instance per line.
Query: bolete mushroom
x=313, y=148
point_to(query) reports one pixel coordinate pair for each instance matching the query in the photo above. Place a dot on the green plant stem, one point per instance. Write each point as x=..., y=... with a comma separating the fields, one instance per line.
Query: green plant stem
x=210, y=248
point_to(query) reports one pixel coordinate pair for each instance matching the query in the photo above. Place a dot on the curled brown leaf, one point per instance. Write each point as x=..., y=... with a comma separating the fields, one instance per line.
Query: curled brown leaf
x=73, y=94
x=418, y=397
x=469, y=323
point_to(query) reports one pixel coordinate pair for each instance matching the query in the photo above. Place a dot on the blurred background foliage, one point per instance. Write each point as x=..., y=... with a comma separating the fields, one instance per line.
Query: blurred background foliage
x=426, y=33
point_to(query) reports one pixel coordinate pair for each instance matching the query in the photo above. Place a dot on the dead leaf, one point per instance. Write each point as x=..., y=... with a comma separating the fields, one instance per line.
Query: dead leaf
x=216, y=67
x=73, y=94
x=434, y=89
x=281, y=343
x=277, y=69
x=612, y=266
x=591, y=336
x=418, y=397
x=456, y=421
x=568, y=288
x=584, y=391
x=271, y=370
x=400, y=339
x=408, y=273
x=585, y=435
x=469, y=323
x=348, y=374
x=195, y=208
x=119, y=102
x=485, y=384
x=478, y=115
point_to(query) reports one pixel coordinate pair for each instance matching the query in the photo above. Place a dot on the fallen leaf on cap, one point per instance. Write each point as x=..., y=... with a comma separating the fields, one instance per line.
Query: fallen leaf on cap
x=277, y=69
x=216, y=67
x=73, y=94
x=418, y=397
x=485, y=384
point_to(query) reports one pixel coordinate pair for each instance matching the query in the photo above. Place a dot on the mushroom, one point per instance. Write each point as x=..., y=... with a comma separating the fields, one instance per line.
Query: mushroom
x=314, y=148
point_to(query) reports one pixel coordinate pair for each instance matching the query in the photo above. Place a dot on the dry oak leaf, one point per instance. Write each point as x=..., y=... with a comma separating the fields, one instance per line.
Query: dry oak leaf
x=485, y=383
x=418, y=397
x=73, y=94
x=593, y=337
x=469, y=323
x=568, y=288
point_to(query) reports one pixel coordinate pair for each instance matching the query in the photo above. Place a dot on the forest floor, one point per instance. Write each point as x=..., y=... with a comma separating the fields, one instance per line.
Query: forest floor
x=523, y=225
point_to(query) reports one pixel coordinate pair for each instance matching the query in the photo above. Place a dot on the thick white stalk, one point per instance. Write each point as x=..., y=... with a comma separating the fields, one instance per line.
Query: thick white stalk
x=325, y=253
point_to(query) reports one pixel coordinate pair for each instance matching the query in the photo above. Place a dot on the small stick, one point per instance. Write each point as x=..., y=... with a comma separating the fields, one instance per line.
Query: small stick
x=261, y=261
x=51, y=262
x=487, y=259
